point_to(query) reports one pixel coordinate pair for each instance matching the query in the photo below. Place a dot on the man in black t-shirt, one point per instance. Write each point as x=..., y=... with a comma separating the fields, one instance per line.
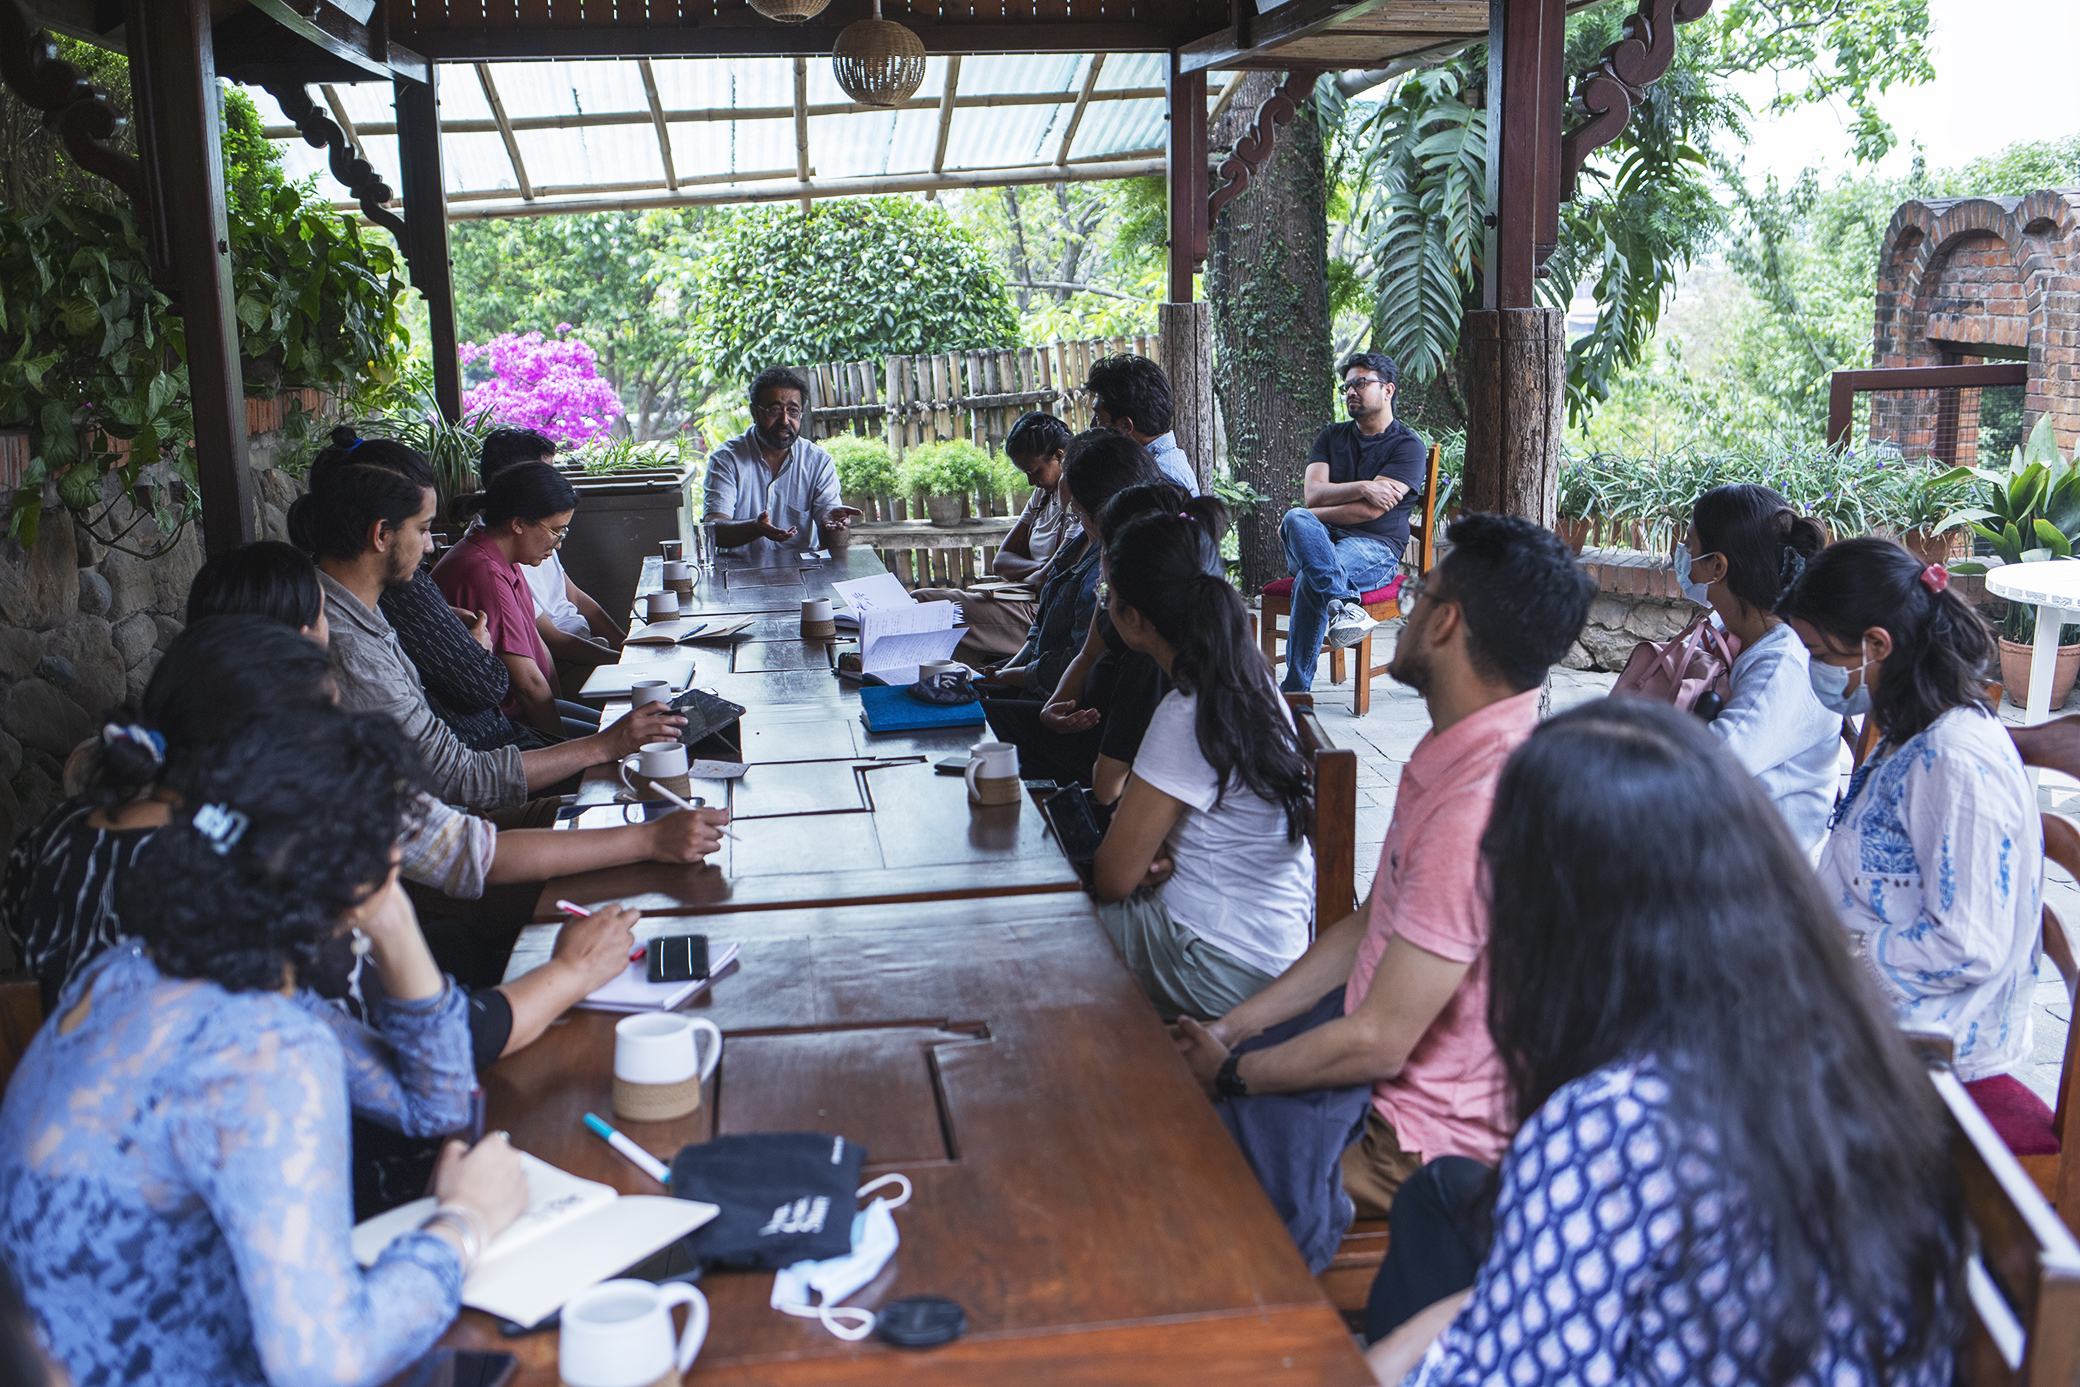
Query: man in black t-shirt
x=1363, y=477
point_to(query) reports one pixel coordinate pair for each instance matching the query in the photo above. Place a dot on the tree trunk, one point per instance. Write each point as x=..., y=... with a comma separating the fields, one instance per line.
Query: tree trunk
x=1266, y=276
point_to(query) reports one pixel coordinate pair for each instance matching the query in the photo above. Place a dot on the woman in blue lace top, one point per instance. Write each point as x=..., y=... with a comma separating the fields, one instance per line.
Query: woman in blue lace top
x=174, y=1190
x=1730, y=1170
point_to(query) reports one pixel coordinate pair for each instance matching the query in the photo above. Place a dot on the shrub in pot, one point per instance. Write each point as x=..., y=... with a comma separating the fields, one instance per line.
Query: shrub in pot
x=866, y=469
x=945, y=474
x=2030, y=514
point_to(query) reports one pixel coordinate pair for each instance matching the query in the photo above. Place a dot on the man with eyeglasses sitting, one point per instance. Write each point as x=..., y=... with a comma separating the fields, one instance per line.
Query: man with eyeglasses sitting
x=1345, y=539
x=770, y=488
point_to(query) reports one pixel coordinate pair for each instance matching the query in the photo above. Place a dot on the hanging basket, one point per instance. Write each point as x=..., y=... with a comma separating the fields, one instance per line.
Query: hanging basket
x=790, y=11
x=878, y=62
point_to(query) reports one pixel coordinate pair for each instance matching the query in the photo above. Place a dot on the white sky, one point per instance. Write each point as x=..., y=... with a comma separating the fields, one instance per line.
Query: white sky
x=2004, y=72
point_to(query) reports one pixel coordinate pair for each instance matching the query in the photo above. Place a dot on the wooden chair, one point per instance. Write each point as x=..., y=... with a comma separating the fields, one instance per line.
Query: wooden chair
x=2057, y=1177
x=21, y=1012
x=2023, y=1279
x=1334, y=831
x=1381, y=604
x=1347, y=1280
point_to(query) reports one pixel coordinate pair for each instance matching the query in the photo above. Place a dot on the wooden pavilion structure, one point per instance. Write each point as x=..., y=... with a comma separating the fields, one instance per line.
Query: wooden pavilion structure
x=1538, y=133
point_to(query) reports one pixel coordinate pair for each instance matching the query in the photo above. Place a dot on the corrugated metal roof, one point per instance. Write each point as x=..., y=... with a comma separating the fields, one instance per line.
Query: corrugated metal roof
x=584, y=128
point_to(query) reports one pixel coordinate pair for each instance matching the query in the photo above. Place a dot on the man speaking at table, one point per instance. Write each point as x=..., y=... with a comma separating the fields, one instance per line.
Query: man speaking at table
x=769, y=488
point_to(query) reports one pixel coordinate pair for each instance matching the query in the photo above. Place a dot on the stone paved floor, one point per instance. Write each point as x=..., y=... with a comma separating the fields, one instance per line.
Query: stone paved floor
x=1385, y=738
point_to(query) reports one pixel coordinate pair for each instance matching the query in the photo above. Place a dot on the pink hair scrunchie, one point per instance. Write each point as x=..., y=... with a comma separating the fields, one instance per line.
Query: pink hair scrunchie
x=1935, y=578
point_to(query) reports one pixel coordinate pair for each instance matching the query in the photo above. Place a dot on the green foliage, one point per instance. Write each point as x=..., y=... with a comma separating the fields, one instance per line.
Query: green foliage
x=854, y=279
x=316, y=297
x=451, y=449
x=2029, y=511
x=865, y=465
x=623, y=280
x=1909, y=496
x=602, y=456
x=955, y=468
x=1110, y=235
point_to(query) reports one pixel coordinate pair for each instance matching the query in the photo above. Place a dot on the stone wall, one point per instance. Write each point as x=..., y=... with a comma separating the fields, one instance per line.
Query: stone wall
x=81, y=630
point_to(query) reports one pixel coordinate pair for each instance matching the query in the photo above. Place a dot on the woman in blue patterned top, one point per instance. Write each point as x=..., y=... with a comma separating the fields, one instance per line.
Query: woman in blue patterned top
x=174, y=1191
x=1730, y=1170
x=1936, y=859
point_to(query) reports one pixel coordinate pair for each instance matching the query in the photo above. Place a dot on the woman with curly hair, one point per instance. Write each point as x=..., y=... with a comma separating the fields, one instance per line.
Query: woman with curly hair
x=174, y=1188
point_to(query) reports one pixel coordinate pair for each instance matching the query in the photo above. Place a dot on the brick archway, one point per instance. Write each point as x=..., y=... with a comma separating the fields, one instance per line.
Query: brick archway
x=1962, y=279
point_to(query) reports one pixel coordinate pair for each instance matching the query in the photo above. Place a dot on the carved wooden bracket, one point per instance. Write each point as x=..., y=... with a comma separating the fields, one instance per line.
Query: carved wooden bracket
x=1607, y=92
x=320, y=131
x=30, y=65
x=1255, y=147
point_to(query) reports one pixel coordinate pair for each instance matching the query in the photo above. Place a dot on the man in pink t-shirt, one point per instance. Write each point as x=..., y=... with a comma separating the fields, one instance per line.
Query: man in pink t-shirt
x=1395, y=994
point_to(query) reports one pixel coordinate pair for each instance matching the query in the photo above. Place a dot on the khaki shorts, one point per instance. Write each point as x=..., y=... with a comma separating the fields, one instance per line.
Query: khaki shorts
x=1375, y=1166
x=1182, y=974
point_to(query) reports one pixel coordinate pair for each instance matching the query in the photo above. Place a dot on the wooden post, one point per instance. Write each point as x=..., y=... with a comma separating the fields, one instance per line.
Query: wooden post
x=1185, y=159
x=1186, y=333
x=1517, y=365
x=426, y=228
x=173, y=74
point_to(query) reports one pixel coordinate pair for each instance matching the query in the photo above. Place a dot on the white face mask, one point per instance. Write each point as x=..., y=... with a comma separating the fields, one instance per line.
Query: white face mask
x=1829, y=681
x=796, y=1289
x=1697, y=592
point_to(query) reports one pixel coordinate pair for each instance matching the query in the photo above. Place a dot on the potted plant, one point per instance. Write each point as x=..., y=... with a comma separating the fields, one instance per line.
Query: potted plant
x=945, y=474
x=1919, y=504
x=866, y=472
x=2031, y=515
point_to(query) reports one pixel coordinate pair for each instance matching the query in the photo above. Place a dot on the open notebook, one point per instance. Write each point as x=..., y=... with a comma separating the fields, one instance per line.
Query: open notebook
x=575, y=1234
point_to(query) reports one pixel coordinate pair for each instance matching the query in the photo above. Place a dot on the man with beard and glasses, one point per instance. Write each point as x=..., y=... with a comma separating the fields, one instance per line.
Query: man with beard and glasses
x=770, y=488
x=368, y=521
x=1390, y=1003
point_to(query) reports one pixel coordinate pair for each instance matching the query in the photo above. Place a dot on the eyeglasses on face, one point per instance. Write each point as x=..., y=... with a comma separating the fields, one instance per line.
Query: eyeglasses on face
x=1357, y=387
x=557, y=532
x=775, y=411
x=1413, y=586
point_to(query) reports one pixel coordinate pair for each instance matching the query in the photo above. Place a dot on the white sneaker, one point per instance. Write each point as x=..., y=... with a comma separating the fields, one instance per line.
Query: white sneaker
x=1349, y=626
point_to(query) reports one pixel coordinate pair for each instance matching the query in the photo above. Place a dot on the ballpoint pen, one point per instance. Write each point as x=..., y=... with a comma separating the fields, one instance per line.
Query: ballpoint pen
x=637, y=1156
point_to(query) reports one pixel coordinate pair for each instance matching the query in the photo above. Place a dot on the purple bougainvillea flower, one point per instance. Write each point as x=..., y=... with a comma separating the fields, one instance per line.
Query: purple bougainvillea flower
x=553, y=386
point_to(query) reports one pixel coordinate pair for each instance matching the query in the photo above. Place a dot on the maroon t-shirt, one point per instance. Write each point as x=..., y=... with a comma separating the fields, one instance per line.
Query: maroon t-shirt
x=476, y=577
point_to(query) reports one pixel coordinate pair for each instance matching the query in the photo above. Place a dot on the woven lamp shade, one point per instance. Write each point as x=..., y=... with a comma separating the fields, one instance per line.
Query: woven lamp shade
x=790, y=11
x=878, y=62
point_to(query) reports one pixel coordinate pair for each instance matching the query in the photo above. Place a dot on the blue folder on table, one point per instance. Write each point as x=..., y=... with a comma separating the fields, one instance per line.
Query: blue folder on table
x=890, y=708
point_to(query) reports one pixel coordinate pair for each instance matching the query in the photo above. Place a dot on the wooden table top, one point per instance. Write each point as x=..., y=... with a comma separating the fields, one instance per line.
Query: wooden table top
x=1074, y=1190
x=739, y=584
x=829, y=813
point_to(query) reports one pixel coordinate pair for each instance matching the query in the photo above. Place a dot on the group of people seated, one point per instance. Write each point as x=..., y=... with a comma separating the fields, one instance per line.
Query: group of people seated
x=1620, y=1065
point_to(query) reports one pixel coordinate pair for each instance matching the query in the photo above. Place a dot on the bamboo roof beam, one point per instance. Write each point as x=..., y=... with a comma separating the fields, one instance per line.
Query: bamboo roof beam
x=1083, y=99
x=946, y=109
x=1226, y=98
x=801, y=127
x=339, y=113
x=664, y=135
x=505, y=129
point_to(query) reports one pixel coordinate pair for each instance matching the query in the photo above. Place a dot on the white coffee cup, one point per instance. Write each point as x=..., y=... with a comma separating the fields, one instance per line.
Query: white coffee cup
x=619, y=1334
x=993, y=773
x=663, y=1048
x=816, y=609
x=661, y=605
x=676, y=571
x=660, y=760
x=645, y=692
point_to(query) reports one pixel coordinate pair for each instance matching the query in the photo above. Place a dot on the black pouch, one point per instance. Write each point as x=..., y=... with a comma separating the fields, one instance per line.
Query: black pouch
x=786, y=1197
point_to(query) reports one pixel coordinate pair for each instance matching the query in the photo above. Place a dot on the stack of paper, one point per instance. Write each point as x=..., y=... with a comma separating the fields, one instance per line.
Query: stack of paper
x=633, y=990
x=896, y=632
x=575, y=1234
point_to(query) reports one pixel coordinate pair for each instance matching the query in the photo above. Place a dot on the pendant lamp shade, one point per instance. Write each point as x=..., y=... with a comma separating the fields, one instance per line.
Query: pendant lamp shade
x=790, y=11
x=878, y=62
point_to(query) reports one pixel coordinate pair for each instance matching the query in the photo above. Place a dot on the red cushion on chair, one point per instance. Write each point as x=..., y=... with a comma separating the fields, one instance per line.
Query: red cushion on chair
x=1283, y=587
x=2018, y=1115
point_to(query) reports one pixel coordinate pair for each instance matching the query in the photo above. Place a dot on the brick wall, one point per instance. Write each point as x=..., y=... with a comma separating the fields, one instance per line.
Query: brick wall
x=2002, y=274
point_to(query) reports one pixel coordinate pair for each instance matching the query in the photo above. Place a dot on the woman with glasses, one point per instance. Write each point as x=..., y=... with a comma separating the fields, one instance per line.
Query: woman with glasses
x=527, y=510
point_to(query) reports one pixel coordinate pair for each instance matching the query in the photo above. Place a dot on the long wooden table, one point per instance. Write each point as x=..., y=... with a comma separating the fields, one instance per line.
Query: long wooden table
x=1074, y=1190
x=925, y=979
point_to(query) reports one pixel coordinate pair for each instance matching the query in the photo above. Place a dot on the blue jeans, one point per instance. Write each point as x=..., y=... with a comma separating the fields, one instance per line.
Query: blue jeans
x=1326, y=569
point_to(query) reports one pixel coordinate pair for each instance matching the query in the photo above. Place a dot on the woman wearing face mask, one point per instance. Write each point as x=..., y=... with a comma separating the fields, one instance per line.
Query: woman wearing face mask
x=1745, y=546
x=1936, y=851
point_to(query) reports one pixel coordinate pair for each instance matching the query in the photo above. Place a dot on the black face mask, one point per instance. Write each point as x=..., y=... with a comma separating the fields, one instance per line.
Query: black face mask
x=336, y=973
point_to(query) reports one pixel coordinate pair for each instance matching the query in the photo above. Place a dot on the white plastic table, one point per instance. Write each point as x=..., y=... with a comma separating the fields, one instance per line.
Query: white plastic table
x=2053, y=588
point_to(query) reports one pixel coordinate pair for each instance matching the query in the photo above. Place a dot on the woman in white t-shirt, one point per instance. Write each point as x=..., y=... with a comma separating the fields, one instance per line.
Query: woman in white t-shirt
x=1205, y=880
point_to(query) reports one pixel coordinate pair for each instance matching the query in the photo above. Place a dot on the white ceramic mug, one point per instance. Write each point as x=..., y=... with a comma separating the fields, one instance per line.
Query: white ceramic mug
x=661, y=606
x=816, y=609
x=619, y=1334
x=993, y=773
x=660, y=760
x=676, y=571
x=663, y=1048
x=645, y=692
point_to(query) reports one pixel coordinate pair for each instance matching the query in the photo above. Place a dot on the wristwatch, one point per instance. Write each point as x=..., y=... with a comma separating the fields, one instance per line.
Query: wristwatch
x=1228, y=1082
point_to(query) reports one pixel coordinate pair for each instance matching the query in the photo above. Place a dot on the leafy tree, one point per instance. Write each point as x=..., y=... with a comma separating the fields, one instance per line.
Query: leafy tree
x=853, y=279
x=1083, y=259
x=619, y=278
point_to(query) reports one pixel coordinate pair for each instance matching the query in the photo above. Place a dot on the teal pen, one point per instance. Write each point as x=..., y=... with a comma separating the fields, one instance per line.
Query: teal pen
x=637, y=1156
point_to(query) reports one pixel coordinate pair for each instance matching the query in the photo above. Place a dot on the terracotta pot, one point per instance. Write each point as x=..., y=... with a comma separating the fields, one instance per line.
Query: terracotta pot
x=947, y=510
x=1944, y=548
x=2016, y=660
x=1575, y=532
